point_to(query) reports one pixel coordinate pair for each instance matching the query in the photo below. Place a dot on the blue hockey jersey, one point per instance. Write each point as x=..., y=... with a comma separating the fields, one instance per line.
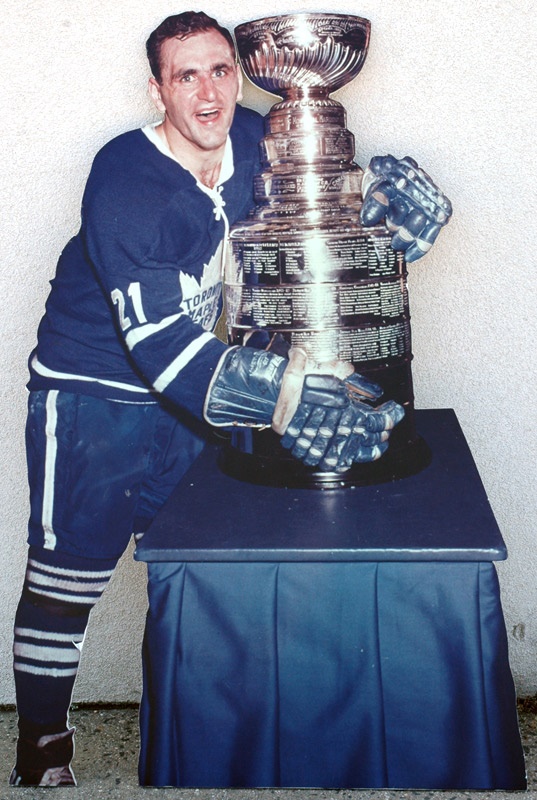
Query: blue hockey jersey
x=137, y=291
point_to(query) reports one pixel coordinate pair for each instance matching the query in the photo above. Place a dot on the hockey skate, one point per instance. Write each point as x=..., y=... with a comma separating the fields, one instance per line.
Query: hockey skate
x=45, y=762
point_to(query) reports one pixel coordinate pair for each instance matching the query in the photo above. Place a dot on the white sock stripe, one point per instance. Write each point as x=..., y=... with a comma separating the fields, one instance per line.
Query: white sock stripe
x=50, y=672
x=74, y=573
x=32, y=633
x=53, y=655
x=69, y=598
x=71, y=584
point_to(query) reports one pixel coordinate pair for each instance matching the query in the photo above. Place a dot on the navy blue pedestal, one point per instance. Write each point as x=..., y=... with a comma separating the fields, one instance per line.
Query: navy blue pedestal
x=341, y=638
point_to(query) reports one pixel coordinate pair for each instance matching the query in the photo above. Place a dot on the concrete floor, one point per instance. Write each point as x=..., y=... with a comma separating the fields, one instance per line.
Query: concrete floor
x=106, y=761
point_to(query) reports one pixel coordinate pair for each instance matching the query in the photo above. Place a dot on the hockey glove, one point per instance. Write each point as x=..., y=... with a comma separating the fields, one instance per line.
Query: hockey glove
x=414, y=208
x=333, y=438
x=322, y=422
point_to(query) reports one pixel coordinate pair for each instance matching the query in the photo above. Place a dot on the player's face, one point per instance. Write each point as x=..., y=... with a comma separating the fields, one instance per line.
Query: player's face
x=201, y=84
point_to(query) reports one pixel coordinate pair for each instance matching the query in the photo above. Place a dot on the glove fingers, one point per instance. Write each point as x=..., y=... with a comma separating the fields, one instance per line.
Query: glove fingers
x=371, y=439
x=415, y=184
x=371, y=432
x=413, y=181
x=333, y=437
x=353, y=442
x=330, y=428
x=343, y=432
x=389, y=185
x=414, y=223
x=360, y=442
x=411, y=162
x=308, y=432
x=423, y=242
x=351, y=431
x=295, y=426
x=359, y=386
x=397, y=214
x=377, y=202
x=381, y=165
x=366, y=454
x=385, y=417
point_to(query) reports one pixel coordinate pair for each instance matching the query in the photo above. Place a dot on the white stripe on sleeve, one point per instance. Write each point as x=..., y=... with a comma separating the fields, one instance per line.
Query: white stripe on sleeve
x=141, y=333
x=184, y=358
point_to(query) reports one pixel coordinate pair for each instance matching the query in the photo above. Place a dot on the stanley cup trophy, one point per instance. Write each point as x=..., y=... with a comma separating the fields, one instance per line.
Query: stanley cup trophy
x=302, y=265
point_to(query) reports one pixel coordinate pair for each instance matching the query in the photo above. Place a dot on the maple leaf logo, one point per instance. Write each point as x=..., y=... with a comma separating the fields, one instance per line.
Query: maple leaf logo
x=201, y=298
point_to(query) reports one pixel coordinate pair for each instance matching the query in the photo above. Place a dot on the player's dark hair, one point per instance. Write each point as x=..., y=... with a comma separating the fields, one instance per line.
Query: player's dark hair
x=180, y=26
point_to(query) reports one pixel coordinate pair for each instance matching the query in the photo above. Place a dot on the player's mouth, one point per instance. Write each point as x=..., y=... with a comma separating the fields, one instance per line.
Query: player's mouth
x=208, y=115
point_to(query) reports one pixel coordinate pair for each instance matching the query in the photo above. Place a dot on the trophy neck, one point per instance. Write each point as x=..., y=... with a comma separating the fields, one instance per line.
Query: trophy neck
x=294, y=96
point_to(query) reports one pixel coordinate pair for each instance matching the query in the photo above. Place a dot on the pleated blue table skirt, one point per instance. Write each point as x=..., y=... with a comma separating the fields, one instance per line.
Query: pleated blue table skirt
x=330, y=675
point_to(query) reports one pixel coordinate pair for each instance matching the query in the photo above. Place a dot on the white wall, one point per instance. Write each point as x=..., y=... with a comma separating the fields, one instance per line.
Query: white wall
x=451, y=83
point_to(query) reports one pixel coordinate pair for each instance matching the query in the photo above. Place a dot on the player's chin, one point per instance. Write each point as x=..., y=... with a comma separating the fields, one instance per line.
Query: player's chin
x=214, y=131
x=211, y=143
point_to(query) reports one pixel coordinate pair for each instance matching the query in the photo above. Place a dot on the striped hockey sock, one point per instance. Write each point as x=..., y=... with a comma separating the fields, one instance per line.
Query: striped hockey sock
x=58, y=594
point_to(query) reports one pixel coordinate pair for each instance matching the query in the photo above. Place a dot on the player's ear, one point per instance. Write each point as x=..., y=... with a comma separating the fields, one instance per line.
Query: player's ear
x=155, y=95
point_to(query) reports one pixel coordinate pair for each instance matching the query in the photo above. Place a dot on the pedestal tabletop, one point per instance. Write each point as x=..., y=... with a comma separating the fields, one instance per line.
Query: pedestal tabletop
x=440, y=514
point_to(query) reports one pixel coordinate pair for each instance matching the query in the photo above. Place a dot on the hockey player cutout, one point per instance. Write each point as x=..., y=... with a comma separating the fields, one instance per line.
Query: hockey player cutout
x=127, y=375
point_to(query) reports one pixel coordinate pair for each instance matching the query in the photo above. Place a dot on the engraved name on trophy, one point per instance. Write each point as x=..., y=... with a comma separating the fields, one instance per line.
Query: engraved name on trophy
x=302, y=265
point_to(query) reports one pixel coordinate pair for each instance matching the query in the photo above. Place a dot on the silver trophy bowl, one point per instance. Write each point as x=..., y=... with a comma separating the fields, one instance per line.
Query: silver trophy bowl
x=303, y=52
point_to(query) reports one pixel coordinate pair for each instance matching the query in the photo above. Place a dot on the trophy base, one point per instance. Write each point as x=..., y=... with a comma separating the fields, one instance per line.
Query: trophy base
x=265, y=469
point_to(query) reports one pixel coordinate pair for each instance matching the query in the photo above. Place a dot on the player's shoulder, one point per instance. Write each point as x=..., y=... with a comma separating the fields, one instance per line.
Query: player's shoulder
x=122, y=147
x=121, y=163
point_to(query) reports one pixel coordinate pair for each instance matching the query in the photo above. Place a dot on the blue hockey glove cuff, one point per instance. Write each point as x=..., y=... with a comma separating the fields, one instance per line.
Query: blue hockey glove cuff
x=245, y=388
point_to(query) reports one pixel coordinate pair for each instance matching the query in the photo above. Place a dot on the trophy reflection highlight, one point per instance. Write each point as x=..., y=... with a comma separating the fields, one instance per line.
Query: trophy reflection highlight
x=302, y=265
